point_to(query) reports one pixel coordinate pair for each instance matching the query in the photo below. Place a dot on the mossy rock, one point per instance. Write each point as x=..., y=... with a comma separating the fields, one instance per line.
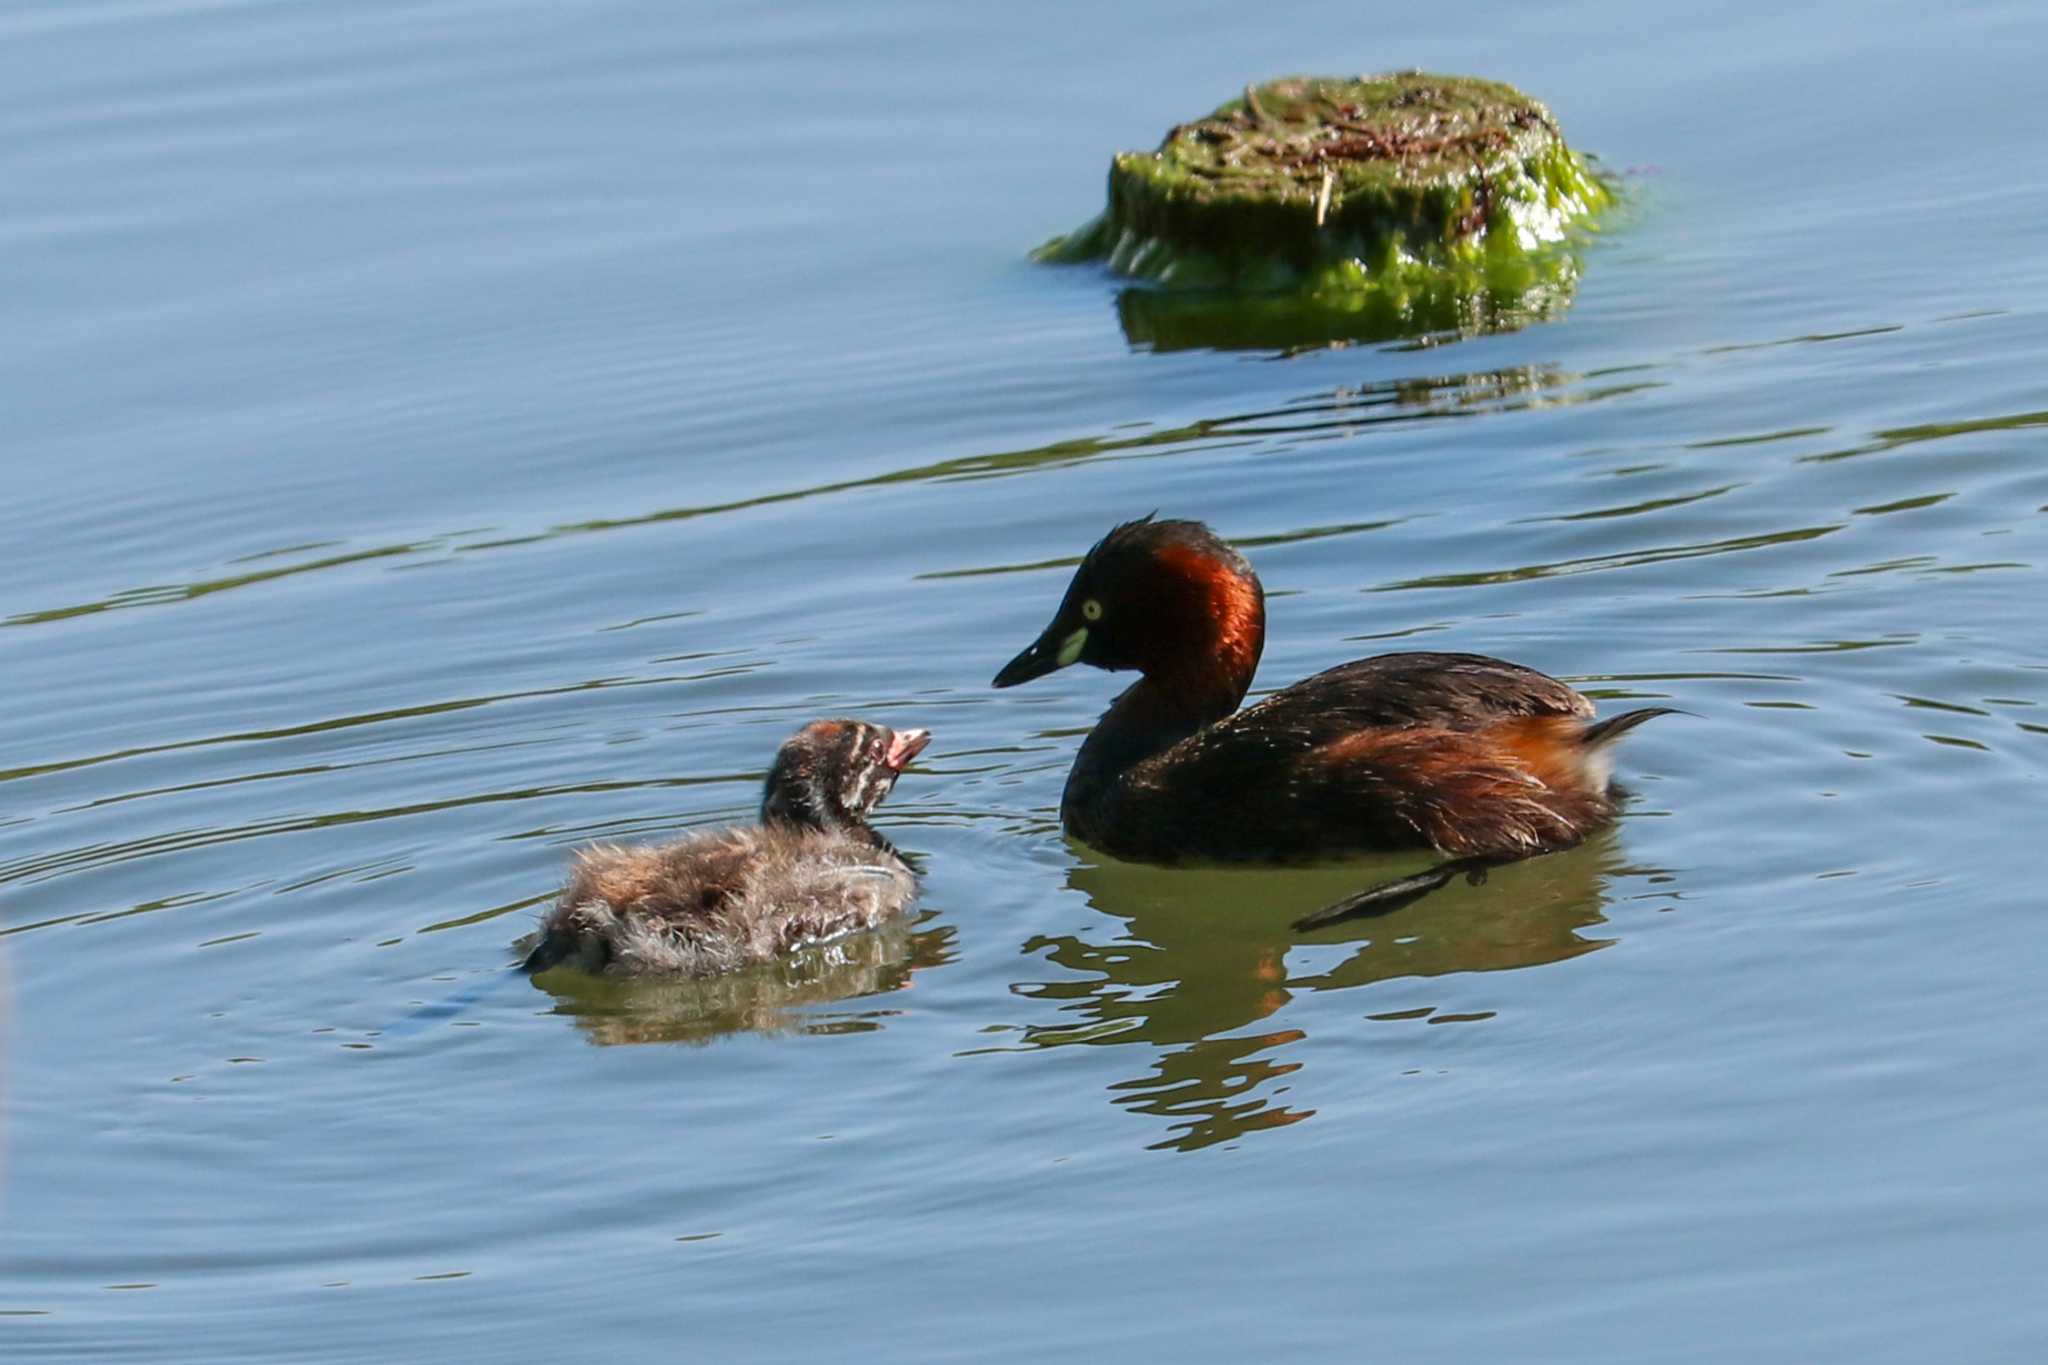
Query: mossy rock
x=1434, y=188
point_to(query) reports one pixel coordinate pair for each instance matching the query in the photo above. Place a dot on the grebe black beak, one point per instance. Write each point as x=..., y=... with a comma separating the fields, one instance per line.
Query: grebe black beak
x=1053, y=650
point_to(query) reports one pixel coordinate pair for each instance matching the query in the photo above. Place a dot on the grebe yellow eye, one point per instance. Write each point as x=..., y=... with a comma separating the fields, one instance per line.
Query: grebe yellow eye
x=1091, y=610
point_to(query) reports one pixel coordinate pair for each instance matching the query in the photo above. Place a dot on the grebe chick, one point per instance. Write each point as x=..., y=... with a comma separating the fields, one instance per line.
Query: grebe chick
x=1474, y=757
x=812, y=869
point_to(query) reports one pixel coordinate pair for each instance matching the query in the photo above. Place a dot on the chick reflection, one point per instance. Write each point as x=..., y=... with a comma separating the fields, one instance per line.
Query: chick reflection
x=772, y=998
x=1203, y=955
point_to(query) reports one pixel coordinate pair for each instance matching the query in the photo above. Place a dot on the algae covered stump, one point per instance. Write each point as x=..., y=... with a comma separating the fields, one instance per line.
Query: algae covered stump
x=1411, y=195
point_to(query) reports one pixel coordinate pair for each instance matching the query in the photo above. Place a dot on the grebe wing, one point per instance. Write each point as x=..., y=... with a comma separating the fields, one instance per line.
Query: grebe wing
x=1314, y=788
x=1443, y=691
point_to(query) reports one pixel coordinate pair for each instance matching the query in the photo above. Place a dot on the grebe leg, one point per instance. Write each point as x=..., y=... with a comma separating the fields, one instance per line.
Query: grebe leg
x=1388, y=897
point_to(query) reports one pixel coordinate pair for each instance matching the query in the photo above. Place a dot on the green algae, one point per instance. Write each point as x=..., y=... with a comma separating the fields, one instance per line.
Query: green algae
x=1380, y=206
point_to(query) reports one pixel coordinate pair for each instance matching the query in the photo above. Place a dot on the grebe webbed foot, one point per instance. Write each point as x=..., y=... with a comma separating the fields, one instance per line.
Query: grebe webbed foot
x=1388, y=897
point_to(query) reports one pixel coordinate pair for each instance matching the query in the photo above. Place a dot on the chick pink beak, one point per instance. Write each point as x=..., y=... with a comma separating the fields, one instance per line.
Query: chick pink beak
x=905, y=745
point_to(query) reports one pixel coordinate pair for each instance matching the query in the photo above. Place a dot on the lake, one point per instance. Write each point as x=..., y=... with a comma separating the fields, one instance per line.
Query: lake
x=442, y=434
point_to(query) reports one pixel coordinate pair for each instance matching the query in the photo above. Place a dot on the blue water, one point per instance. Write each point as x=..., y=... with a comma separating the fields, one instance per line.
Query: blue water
x=441, y=434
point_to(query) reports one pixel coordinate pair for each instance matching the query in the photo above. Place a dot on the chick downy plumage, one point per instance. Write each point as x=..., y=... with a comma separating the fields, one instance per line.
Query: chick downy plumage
x=812, y=869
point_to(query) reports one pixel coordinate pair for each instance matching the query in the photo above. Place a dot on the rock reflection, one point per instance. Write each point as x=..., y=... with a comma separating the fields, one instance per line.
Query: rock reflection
x=1191, y=960
x=1221, y=320
x=781, y=997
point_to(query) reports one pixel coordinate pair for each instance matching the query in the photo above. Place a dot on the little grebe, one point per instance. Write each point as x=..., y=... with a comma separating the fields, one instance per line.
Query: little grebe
x=714, y=902
x=1474, y=757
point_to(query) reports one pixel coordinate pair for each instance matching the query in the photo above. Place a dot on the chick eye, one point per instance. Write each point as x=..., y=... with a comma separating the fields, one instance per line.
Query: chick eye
x=1091, y=610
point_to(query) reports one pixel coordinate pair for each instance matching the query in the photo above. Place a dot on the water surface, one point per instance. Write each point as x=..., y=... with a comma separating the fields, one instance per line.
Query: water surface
x=440, y=435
